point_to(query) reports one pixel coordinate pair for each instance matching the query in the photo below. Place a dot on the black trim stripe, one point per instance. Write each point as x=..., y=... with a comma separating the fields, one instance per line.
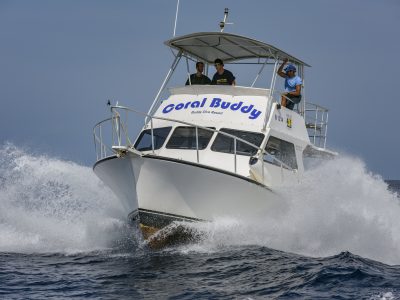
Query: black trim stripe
x=168, y=214
x=157, y=219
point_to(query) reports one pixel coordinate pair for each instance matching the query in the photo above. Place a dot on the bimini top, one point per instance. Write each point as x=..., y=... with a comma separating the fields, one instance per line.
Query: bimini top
x=208, y=46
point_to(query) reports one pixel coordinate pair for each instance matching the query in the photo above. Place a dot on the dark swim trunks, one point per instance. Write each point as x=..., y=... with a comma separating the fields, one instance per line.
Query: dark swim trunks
x=293, y=100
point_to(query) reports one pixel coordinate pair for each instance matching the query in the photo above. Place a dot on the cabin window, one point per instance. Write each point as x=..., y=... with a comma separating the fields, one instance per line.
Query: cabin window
x=280, y=150
x=225, y=143
x=143, y=143
x=185, y=138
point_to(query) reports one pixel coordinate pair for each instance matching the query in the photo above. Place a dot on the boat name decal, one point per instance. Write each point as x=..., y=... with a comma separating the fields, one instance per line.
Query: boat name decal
x=216, y=103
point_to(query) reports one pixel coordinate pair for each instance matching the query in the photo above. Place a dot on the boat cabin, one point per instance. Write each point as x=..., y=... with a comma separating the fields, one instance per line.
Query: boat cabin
x=240, y=130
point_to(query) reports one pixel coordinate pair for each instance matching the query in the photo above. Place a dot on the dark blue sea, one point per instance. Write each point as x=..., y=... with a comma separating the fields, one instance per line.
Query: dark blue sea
x=63, y=235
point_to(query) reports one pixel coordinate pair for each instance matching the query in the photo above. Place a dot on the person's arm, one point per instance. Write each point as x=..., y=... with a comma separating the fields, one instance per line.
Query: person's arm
x=232, y=78
x=280, y=70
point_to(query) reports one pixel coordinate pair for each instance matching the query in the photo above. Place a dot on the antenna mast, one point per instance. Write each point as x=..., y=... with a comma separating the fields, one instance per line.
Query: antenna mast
x=223, y=23
x=176, y=16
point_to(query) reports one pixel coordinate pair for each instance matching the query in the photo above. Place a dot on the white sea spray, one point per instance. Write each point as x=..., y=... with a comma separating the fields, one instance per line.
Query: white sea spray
x=52, y=205
x=337, y=206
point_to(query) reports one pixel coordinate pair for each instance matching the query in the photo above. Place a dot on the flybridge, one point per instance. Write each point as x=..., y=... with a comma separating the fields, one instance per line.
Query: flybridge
x=239, y=106
x=231, y=48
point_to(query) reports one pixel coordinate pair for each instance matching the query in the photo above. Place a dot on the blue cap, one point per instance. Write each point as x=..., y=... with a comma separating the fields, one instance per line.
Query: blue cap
x=290, y=68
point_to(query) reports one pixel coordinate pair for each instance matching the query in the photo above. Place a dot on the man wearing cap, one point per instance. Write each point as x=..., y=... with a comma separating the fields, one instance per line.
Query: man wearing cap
x=222, y=76
x=198, y=77
x=293, y=84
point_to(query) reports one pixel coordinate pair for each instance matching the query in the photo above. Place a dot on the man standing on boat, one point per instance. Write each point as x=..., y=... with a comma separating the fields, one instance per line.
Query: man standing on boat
x=198, y=77
x=293, y=84
x=222, y=76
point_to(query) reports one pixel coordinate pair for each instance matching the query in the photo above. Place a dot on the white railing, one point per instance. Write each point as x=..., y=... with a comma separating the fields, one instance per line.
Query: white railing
x=315, y=118
x=117, y=132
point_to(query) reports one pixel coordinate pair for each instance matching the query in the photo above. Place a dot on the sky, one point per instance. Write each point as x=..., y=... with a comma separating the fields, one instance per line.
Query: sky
x=60, y=61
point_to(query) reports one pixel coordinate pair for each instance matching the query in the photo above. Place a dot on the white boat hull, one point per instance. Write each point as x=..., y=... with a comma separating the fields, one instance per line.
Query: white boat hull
x=161, y=189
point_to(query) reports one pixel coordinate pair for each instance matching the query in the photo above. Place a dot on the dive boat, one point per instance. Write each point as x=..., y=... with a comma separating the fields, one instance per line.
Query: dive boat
x=208, y=151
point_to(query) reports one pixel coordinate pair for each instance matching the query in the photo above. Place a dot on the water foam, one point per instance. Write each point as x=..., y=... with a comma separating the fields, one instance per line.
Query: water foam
x=337, y=206
x=51, y=205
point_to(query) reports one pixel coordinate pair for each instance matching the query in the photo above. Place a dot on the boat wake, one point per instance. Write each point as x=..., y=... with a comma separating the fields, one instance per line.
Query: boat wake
x=51, y=205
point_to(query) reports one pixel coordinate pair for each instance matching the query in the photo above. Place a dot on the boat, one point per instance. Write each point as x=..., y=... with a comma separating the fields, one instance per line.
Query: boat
x=209, y=151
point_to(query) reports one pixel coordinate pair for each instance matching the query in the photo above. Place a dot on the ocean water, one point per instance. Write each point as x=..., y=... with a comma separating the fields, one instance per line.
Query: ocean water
x=64, y=235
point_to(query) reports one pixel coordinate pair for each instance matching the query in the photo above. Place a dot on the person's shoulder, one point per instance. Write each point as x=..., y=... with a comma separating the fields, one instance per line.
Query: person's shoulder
x=230, y=75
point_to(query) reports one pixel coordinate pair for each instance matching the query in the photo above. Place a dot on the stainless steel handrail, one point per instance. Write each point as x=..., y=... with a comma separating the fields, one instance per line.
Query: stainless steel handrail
x=317, y=125
x=190, y=124
x=260, y=152
x=316, y=119
x=99, y=139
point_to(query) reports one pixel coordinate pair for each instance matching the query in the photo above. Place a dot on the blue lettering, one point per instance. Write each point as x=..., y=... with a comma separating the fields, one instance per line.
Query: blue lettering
x=168, y=108
x=215, y=102
x=225, y=105
x=247, y=109
x=195, y=104
x=179, y=106
x=254, y=114
x=236, y=106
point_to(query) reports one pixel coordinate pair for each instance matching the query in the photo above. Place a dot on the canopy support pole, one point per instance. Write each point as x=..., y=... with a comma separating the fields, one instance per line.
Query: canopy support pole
x=258, y=74
x=167, y=78
x=271, y=92
x=188, y=71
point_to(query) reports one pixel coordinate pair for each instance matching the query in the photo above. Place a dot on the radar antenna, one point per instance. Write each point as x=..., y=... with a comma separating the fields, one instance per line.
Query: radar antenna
x=223, y=23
